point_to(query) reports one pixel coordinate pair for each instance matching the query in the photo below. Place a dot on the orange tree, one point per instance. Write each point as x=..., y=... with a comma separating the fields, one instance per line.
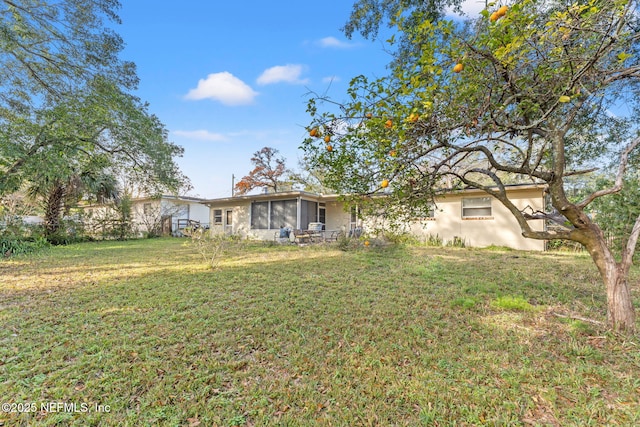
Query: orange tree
x=546, y=90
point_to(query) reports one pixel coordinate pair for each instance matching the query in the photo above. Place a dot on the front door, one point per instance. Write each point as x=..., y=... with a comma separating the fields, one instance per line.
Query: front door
x=228, y=221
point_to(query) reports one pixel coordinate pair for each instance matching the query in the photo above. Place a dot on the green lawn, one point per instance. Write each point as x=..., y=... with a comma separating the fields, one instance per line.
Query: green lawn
x=288, y=336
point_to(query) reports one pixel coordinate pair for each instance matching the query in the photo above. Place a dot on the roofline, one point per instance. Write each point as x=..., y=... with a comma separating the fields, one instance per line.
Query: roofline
x=332, y=197
x=269, y=196
x=527, y=186
x=151, y=198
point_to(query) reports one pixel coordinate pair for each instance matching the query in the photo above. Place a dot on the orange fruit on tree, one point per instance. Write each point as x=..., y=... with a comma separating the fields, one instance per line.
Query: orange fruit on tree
x=366, y=243
x=368, y=115
x=388, y=124
x=329, y=148
x=458, y=67
x=494, y=17
x=413, y=117
x=313, y=132
x=384, y=183
x=502, y=11
x=327, y=138
x=393, y=153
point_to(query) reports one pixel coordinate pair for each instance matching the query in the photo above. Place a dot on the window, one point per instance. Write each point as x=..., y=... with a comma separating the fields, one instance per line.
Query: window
x=217, y=216
x=147, y=209
x=284, y=212
x=476, y=207
x=260, y=215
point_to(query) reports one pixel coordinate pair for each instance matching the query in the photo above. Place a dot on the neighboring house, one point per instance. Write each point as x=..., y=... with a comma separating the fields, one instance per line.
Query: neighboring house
x=470, y=215
x=158, y=215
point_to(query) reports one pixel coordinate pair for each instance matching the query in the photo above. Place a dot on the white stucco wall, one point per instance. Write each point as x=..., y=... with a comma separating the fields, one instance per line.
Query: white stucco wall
x=500, y=229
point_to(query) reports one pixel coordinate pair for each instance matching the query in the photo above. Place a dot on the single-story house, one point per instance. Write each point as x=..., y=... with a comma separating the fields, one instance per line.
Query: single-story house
x=259, y=216
x=164, y=214
x=469, y=214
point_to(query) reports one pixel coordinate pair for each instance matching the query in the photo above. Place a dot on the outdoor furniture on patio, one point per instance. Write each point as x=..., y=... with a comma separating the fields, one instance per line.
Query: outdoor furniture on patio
x=331, y=235
x=301, y=236
x=315, y=231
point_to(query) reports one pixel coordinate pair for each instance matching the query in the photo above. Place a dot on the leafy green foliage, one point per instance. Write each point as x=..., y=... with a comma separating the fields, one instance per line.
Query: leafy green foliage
x=101, y=129
x=65, y=105
x=49, y=49
x=368, y=16
x=11, y=245
x=616, y=213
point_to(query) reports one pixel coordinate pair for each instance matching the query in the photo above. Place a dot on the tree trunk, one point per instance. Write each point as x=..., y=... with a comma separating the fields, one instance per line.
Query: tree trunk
x=621, y=315
x=620, y=311
x=53, y=209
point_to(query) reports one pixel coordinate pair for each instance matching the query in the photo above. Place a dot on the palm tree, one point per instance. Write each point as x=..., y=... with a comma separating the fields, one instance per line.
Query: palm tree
x=60, y=195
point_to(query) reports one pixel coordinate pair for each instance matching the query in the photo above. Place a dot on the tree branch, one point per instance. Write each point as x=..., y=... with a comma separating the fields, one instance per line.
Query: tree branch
x=630, y=247
x=622, y=167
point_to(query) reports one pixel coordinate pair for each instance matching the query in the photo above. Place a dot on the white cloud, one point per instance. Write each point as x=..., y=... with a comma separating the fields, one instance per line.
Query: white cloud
x=330, y=79
x=289, y=73
x=471, y=8
x=334, y=42
x=200, y=135
x=223, y=87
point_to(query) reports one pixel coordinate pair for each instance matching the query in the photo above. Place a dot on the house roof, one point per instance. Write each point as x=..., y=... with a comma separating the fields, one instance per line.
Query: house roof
x=512, y=187
x=272, y=196
x=151, y=198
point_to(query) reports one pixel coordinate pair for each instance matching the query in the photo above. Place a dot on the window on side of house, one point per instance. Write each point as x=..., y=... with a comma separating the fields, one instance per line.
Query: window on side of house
x=260, y=215
x=217, y=216
x=147, y=208
x=476, y=207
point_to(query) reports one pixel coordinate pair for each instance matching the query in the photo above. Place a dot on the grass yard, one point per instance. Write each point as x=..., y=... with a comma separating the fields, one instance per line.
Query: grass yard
x=142, y=333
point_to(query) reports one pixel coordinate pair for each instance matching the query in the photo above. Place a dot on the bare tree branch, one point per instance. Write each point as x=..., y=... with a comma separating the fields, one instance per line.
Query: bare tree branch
x=622, y=168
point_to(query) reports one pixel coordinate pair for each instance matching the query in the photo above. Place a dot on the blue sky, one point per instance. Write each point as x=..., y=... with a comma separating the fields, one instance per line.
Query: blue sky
x=229, y=77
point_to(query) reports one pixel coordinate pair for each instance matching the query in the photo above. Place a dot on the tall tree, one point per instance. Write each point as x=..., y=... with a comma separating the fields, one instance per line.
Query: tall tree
x=50, y=48
x=102, y=125
x=268, y=172
x=76, y=148
x=541, y=91
x=65, y=93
